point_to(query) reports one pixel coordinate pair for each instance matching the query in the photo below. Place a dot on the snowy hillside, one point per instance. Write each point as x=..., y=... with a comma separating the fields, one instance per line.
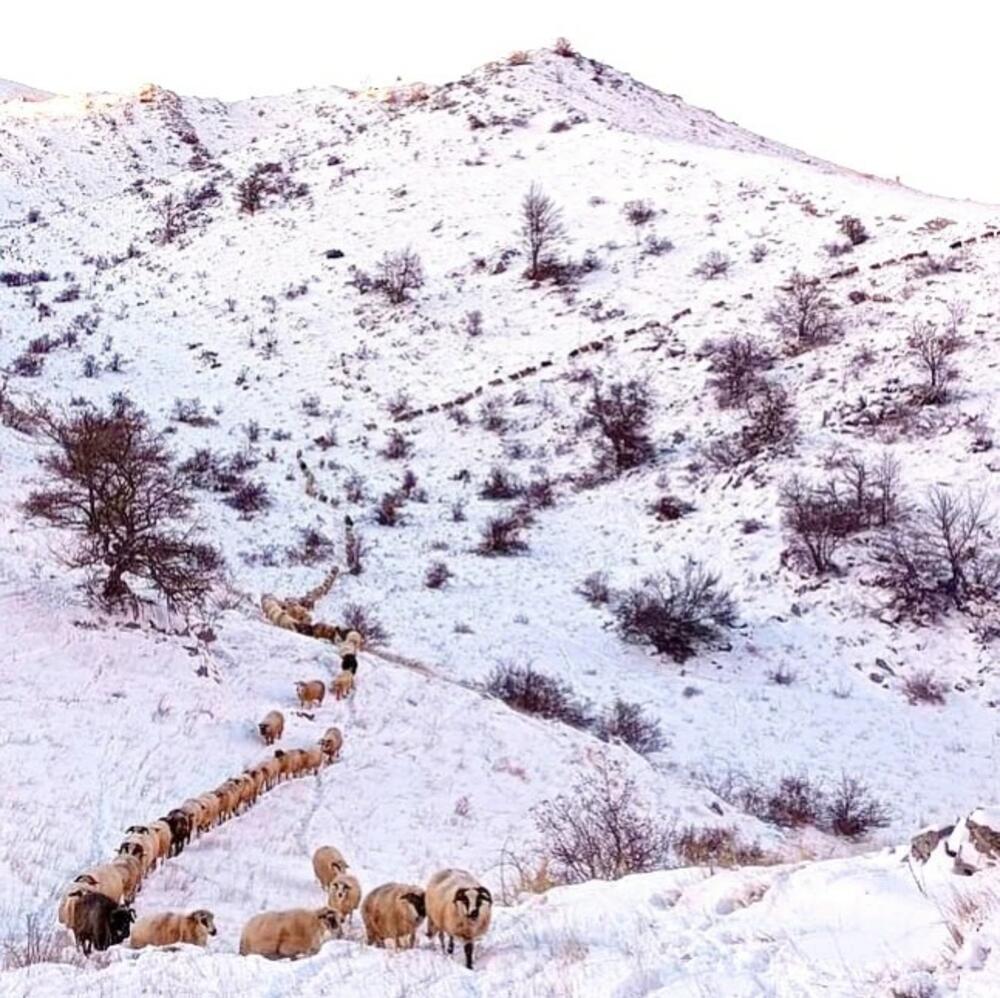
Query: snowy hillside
x=256, y=342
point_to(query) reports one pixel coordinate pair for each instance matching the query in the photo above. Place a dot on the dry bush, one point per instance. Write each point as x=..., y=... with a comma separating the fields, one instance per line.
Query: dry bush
x=354, y=488
x=355, y=550
x=851, y=810
x=399, y=273
x=619, y=412
x=626, y=722
x=532, y=692
x=502, y=535
x=854, y=229
x=771, y=421
x=500, y=485
x=932, y=351
x=601, y=830
x=493, y=415
x=714, y=264
x=542, y=230
x=250, y=499
x=540, y=494
x=40, y=944
x=595, y=589
x=396, y=446
x=191, y=412
x=669, y=507
x=314, y=547
x=819, y=519
x=638, y=214
x=564, y=47
x=737, y=364
x=172, y=213
x=718, y=847
x=924, y=687
x=758, y=253
x=398, y=404
x=943, y=556
x=437, y=575
x=111, y=481
x=388, y=511
x=676, y=613
x=803, y=314
x=364, y=620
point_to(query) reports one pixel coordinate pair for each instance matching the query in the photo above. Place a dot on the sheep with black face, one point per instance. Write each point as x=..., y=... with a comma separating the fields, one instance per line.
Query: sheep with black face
x=459, y=907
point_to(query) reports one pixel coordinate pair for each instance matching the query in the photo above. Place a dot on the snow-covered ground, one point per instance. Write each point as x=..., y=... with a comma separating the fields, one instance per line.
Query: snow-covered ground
x=103, y=725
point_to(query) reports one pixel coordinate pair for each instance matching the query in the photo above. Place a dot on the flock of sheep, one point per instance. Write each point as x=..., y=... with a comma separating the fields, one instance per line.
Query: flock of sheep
x=97, y=905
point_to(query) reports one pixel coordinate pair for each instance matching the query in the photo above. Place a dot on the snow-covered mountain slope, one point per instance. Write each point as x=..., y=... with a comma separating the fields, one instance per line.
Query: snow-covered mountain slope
x=105, y=725
x=11, y=91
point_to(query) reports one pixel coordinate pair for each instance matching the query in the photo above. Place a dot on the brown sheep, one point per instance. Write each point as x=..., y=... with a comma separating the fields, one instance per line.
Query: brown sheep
x=285, y=761
x=194, y=809
x=171, y=927
x=331, y=743
x=99, y=922
x=108, y=879
x=353, y=643
x=327, y=632
x=67, y=906
x=164, y=839
x=328, y=864
x=293, y=933
x=131, y=868
x=272, y=772
x=313, y=760
x=297, y=764
x=458, y=907
x=211, y=812
x=344, y=895
x=311, y=692
x=343, y=685
x=272, y=727
x=393, y=911
x=141, y=836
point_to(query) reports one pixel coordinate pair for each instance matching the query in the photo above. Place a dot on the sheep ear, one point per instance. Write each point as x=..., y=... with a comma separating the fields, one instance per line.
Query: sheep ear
x=484, y=896
x=460, y=897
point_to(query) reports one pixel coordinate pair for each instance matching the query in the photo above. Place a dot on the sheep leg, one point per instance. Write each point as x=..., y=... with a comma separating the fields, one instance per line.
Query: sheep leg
x=468, y=955
x=451, y=944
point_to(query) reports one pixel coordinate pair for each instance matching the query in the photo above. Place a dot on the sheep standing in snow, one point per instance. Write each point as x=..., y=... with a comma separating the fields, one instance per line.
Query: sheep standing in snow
x=293, y=933
x=328, y=864
x=343, y=685
x=272, y=727
x=169, y=928
x=99, y=922
x=393, y=911
x=344, y=895
x=311, y=692
x=331, y=743
x=458, y=907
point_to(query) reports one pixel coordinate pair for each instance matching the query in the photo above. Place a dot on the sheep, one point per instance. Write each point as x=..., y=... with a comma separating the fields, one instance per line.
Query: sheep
x=108, y=879
x=331, y=743
x=211, y=812
x=180, y=830
x=131, y=872
x=327, y=632
x=298, y=761
x=141, y=843
x=272, y=727
x=224, y=800
x=393, y=911
x=313, y=760
x=99, y=922
x=328, y=864
x=293, y=933
x=344, y=895
x=352, y=643
x=284, y=760
x=298, y=613
x=457, y=906
x=274, y=610
x=343, y=685
x=164, y=839
x=272, y=772
x=311, y=692
x=67, y=906
x=169, y=927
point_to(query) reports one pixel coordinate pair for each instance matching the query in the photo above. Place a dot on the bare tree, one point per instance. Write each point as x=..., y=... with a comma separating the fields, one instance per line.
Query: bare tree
x=772, y=421
x=541, y=229
x=111, y=482
x=638, y=214
x=932, y=350
x=737, y=363
x=172, y=213
x=819, y=519
x=250, y=193
x=399, y=273
x=804, y=314
x=620, y=412
x=854, y=229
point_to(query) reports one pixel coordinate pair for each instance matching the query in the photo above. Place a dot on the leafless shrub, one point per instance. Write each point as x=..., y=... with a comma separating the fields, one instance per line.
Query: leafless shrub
x=564, y=48
x=40, y=944
x=625, y=722
x=191, y=412
x=838, y=249
x=28, y=365
x=803, y=313
x=819, y=519
x=595, y=589
x=500, y=485
x=714, y=264
x=669, y=507
x=364, y=620
x=532, y=692
x=355, y=550
x=601, y=830
x=314, y=547
x=656, y=245
x=737, y=363
x=493, y=415
x=771, y=422
x=854, y=229
x=933, y=266
x=852, y=812
x=676, y=613
x=718, y=847
x=638, y=214
x=502, y=535
x=540, y=493
x=399, y=273
x=437, y=575
x=924, y=687
x=388, y=511
x=250, y=499
x=542, y=230
x=396, y=446
x=474, y=322
x=619, y=412
x=518, y=58
x=112, y=483
x=758, y=253
x=932, y=351
x=398, y=404
x=782, y=676
x=172, y=213
x=354, y=488
x=941, y=557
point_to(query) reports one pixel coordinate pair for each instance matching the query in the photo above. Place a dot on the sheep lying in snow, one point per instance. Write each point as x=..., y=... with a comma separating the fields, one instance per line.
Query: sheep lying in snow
x=99, y=923
x=343, y=685
x=170, y=927
x=331, y=743
x=328, y=864
x=344, y=895
x=458, y=907
x=393, y=911
x=311, y=692
x=272, y=727
x=292, y=933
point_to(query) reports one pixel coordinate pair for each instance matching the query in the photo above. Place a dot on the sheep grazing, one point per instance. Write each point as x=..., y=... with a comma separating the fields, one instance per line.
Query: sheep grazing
x=311, y=692
x=393, y=911
x=99, y=922
x=328, y=864
x=331, y=743
x=171, y=927
x=272, y=727
x=180, y=830
x=458, y=907
x=293, y=933
x=344, y=895
x=343, y=685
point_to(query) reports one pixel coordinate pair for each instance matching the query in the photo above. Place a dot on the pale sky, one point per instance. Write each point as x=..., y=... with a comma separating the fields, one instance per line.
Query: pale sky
x=893, y=88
